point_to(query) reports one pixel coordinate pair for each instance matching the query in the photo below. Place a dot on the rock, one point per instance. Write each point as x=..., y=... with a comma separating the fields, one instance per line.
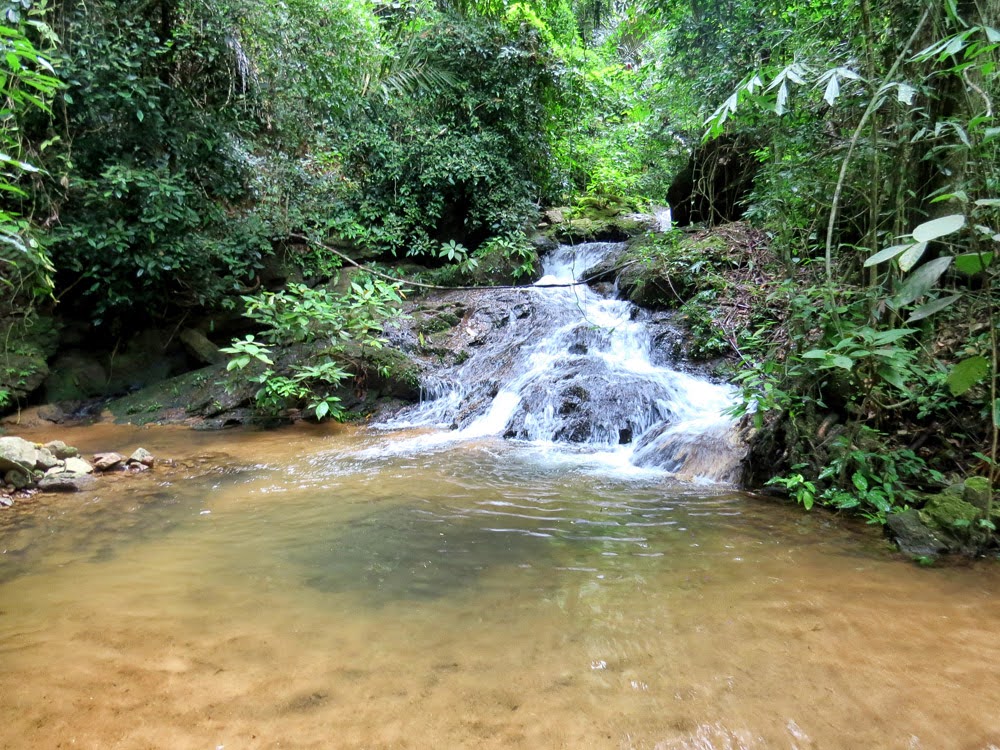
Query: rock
x=57, y=469
x=948, y=512
x=976, y=491
x=52, y=413
x=107, y=461
x=75, y=375
x=45, y=459
x=136, y=467
x=18, y=478
x=199, y=347
x=16, y=453
x=6, y=501
x=61, y=450
x=142, y=456
x=78, y=466
x=66, y=481
x=912, y=536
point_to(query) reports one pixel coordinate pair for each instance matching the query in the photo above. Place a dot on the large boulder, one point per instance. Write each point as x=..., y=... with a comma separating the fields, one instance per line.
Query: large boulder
x=17, y=453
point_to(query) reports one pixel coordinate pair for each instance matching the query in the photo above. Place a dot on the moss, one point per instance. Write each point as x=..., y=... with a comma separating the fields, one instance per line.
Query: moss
x=976, y=491
x=947, y=511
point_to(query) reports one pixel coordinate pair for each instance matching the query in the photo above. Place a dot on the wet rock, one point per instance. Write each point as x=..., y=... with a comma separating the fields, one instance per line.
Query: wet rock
x=107, y=461
x=78, y=466
x=66, y=481
x=6, y=501
x=136, y=468
x=141, y=456
x=60, y=450
x=913, y=536
x=16, y=453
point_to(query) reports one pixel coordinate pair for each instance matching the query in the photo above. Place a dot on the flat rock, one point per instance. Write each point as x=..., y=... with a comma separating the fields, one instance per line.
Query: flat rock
x=75, y=465
x=107, y=461
x=66, y=481
x=16, y=453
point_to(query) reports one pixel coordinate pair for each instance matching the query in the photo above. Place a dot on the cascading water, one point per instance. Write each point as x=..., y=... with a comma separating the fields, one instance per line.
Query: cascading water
x=570, y=368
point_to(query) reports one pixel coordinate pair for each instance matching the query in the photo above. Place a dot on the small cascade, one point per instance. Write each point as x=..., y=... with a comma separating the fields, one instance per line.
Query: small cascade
x=568, y=366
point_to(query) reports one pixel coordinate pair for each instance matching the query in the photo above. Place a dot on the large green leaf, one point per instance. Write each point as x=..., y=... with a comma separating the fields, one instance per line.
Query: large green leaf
x=931, y=230
x=925, y=311
x=966, y=374
x=921, y=281
x=887, y=254
x=973, y=263
x=912, y=255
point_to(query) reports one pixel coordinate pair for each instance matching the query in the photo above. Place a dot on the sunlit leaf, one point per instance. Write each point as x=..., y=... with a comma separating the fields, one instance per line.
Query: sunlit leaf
x=931, y=230
x=832, y=90
x=887, y=254
x=912, y=256
x=905, y=93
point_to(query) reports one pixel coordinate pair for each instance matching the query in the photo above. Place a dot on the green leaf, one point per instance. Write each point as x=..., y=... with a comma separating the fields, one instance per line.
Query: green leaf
x=841, y=361
x=887, y=337
x=815, y=354
x=887, y=254
x=858, y=480
x=931, y=230
x=973, y=263
x=893, y=376
x=988, y=202
x=322, y=409
x=913, y=254
x=921, y=282
x=966, y=374
x=925, y=311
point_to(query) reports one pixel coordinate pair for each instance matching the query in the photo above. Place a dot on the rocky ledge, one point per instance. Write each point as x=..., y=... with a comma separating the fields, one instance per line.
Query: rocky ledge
x=56, y=467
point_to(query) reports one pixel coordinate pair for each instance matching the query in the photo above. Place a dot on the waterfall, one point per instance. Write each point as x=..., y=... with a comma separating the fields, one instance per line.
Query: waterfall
x=567, y=366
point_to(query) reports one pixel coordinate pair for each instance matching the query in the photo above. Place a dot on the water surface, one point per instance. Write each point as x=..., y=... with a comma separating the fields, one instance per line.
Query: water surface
x=327, y=587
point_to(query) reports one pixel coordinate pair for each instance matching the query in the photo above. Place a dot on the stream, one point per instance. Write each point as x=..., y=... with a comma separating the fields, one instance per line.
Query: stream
x=526, y=560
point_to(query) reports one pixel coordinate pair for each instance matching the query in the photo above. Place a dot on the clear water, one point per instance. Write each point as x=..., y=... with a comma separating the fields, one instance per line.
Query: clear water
x=332, y=588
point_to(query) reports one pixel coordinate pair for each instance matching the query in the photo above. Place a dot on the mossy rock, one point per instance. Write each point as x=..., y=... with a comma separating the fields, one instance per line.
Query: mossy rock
x=948, y=512
x=207, y=392
x=976, y=491
x=28, y=343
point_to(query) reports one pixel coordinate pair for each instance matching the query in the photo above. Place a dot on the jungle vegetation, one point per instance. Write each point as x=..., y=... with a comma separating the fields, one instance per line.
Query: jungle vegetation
x=157, y=155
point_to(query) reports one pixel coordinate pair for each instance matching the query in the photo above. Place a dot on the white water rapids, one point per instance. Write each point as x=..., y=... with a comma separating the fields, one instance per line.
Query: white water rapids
x=578, y=372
